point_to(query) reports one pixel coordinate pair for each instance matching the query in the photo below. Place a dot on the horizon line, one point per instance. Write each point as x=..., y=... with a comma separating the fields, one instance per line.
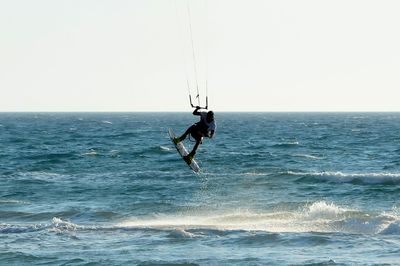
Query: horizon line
x=221, y=111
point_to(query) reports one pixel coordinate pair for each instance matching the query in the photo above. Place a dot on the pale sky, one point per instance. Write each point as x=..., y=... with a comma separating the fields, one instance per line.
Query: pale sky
x=127, y=55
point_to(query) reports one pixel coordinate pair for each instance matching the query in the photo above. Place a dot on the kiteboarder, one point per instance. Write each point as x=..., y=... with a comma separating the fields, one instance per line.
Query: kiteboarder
x=204, y=128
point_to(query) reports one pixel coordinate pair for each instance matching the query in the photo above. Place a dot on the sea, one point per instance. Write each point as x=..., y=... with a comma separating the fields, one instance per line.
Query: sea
x=274, y=189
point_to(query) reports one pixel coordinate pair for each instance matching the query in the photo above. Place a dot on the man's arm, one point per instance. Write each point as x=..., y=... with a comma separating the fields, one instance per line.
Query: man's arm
x=196, y=111
x=211, y=134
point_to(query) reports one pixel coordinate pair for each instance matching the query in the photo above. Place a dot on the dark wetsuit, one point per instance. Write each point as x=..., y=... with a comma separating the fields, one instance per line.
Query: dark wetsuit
x=201, y=129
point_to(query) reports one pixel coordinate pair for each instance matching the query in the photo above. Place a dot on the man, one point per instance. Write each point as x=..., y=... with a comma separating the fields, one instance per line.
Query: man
x=204, y=128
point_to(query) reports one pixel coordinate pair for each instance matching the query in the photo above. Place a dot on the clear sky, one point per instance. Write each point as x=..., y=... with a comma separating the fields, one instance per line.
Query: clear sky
x=127, y=55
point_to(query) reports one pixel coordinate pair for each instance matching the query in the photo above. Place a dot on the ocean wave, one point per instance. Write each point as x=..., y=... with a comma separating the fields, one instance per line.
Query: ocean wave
x=53, y=157
x=10, y=201
x=59, y=225
x=392, y=229
x=33, y=177
x=180, y=262
x=18, y=229
x=56, y=225
x=340, y=177
x=181, y=233
x=321, y=216
x=318, y=216
x=155, y=150
x=254, y=173
x=123, y=135
x=323, y=210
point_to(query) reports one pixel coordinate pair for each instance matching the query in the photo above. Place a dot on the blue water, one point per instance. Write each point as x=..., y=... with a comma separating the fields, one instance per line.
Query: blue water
x=275, y=189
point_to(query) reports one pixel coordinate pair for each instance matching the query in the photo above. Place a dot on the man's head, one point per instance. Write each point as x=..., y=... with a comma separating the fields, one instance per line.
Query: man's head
x=210, y=116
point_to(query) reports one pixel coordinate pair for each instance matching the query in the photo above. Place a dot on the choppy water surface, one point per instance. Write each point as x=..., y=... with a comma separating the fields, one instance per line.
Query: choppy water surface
x=275, y=188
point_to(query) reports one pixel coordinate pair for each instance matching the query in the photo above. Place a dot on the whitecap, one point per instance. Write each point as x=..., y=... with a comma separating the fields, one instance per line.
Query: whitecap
x=323, y=210
x=308, y=156
x=91, y=153
x=341, y=177
x=13, y=202
x=255, y=174
x=287, y=144
x=59, y=225
x=367, y=178
x=164, y=148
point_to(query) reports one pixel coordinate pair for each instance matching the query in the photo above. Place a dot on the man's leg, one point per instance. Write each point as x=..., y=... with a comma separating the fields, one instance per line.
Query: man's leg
x=183, y=137
x=191, y=155
x=193, y=152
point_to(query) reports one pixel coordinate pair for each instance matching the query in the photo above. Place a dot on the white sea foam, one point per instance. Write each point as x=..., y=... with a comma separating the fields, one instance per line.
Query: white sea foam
x=313, y=217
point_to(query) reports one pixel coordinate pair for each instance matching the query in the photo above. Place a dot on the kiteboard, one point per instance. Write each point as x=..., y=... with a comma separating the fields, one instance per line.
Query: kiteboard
x=183, y=152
